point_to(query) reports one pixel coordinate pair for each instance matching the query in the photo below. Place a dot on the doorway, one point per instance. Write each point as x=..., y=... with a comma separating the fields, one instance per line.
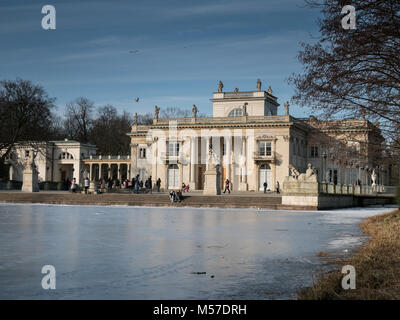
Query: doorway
x=173, y=176
x=264, y=175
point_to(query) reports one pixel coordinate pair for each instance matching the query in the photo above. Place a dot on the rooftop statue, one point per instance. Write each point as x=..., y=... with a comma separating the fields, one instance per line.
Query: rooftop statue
x=220, y=86
x=236, y=90
x=258, y=85
x=269, y=90
x=286, y=105
x=136, y=118
x=156, y=112
x=194, y=110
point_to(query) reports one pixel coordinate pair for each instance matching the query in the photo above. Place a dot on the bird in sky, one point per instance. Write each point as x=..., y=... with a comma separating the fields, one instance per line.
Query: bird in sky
x=137, y=99
x=133, y=51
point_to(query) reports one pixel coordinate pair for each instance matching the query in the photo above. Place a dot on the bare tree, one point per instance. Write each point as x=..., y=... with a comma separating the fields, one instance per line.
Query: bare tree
x=354, y=73
x=175, y=112
x=25, y=115
x=79, y=119
x=109, y=130
x=145, y=119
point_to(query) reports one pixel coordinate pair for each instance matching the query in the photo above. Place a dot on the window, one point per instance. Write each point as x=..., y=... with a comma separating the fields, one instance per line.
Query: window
x=238, y=112
x=314, y=152
x=142, y=153
x=223, y=149
x=65, y=155
x=173, y=149
x=333, y=176
x=26, y=153
x=264, y=148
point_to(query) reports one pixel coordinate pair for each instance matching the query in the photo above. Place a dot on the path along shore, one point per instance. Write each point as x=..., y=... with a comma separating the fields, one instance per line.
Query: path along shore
x=191, y=199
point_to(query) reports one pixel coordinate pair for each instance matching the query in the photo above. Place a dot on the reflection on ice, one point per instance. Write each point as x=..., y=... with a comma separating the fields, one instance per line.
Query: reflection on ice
x=162, y=253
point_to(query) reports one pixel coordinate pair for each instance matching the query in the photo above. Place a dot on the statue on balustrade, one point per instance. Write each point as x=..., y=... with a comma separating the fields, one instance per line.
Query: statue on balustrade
x=156, y=112
x=258, y=85
x=220, y=86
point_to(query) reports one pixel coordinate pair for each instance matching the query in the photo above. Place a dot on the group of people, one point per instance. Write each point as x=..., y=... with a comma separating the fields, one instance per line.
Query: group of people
x=136, y=185
x=175, y=196
x=228, y=186
x=276, y=187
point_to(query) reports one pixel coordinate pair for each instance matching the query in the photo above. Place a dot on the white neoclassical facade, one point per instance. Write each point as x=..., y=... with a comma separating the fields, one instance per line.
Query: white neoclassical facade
x=55, y=160
x=250, y=139
x=251, y=143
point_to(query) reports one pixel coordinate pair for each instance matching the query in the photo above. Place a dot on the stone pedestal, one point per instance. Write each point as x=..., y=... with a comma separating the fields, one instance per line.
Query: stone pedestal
x=300, y=193
x=243, y=186
x=93, y=187
x=212, y=182
x=30, y=180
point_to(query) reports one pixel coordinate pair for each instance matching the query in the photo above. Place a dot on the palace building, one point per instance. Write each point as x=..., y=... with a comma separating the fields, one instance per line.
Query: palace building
x=251, y=143
x=249, y=139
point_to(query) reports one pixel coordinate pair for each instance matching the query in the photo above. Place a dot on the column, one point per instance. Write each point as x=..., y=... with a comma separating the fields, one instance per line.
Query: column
x=119, y=172
x=207, y=152
x=165, y=181
x=154, y=159
x=100, y=171
x=180, y=175
x=243, y=170
x=91, y=171
x=192, y=182
x=228, y=148
x=244, y=153
x=273, y=169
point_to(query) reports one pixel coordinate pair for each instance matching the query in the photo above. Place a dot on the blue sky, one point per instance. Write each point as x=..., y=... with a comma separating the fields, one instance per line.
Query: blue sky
x=183, y=49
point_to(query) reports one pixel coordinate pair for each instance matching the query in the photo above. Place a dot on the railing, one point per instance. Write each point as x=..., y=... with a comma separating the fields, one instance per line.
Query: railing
x=331, y=188
x=263, y=156
x=107, y=157
x=217, y=120
x=238, y=94
x=171, y=156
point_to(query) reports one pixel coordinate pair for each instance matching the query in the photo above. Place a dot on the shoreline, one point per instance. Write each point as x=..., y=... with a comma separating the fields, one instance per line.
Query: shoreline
x=191, y=200
x=375, y=261
x=152, y=200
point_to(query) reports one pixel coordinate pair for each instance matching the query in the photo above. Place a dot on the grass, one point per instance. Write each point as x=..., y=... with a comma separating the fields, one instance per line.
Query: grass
x=377, y=266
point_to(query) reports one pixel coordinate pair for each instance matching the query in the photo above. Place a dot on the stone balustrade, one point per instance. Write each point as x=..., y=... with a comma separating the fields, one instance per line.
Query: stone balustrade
x=330, y=188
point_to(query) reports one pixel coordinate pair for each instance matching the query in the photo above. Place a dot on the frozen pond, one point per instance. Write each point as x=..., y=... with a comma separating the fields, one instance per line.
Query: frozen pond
x=157, y=253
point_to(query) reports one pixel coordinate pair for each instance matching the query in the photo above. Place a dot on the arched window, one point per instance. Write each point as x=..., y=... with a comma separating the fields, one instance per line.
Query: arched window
x=238, y=112
x=65, y=155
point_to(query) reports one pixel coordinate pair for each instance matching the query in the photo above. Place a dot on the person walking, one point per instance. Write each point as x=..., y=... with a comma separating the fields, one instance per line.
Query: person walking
x=265, y=186
x=158, y=184
x=150, y=185
x=227, y=184
x=137, y=184
x=86, y=183
x=73, y=185
x=277, y=187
